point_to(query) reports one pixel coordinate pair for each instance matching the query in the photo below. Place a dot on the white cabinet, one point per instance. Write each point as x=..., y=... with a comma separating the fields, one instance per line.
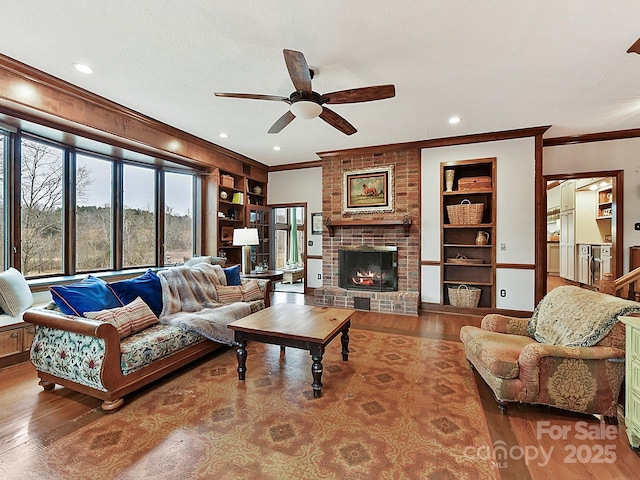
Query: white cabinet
x=584, y=264
x=567, y=245
x=632, y=380
x=605, y=260
x=567, y=195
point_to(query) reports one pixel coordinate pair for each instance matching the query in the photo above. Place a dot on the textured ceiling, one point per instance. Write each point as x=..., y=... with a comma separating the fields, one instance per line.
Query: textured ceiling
x=499, y=65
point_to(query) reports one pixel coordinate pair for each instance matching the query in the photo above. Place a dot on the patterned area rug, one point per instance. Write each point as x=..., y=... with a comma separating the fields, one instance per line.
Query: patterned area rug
x=400, y=408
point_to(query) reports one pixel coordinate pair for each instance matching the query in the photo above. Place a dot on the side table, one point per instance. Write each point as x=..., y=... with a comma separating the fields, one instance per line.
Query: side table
x=273, y=275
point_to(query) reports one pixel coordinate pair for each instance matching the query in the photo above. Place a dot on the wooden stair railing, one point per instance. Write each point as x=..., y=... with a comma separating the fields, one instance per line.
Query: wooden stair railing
x=622, y=286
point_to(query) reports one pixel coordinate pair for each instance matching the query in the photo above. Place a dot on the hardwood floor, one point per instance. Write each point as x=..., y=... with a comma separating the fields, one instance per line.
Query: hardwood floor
x=526, y=435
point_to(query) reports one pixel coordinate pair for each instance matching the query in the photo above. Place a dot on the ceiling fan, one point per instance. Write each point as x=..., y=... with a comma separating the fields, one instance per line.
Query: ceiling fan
x=305, y=103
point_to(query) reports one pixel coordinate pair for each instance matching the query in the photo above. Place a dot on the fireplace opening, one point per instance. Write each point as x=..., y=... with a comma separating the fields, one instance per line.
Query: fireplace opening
x=368, y=268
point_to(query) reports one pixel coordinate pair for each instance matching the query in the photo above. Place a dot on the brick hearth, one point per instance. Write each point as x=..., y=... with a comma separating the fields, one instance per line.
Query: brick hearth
x=407, y=202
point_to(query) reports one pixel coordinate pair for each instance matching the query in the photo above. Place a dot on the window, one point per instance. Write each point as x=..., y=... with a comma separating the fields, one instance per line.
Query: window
x=83, y=209
x=178, y=218
x=93, y=213
x=282, y=247
x=41, y=205
x=289, y=250
x=139, y=229
x=4, y=151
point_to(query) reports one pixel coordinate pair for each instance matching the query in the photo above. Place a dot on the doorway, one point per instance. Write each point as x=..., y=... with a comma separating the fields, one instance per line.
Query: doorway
x=584, y=228
x=289, y=248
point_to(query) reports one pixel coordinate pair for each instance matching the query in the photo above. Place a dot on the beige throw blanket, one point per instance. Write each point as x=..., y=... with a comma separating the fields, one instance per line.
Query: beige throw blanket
x=190, y=301
x=576, y=317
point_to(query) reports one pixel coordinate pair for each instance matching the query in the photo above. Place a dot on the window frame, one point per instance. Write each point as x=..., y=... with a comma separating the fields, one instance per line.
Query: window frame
x=12, y=211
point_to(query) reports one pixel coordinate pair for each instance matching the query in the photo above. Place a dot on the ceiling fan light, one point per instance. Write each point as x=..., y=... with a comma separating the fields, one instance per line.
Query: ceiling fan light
x=305, y=109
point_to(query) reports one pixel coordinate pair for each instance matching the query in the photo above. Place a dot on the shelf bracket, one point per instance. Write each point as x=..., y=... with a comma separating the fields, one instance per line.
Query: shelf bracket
x=327, y=222
x=406, y=224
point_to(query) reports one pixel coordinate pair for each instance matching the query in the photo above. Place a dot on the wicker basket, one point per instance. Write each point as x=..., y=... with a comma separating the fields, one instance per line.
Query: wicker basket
x=466, y=213
x=463, y=296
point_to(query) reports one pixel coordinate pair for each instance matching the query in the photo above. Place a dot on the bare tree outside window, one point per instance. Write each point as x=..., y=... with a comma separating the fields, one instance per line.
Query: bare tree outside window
x=93, y=213
x=178, y=220
x=139, y=232
x=41, y=207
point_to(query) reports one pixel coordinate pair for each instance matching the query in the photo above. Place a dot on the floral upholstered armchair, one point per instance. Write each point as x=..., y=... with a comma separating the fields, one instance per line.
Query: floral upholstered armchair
x=569, y=354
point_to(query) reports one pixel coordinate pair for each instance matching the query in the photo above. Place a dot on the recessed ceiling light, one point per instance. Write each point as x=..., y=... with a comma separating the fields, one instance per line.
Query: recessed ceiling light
x=593, y=187
x=81, y=67
x=276, y=148
x=454, y=120
x=223, y=135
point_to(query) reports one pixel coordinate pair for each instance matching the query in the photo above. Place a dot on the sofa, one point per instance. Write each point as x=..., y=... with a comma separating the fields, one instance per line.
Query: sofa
x=176, y=316
x=570, y=354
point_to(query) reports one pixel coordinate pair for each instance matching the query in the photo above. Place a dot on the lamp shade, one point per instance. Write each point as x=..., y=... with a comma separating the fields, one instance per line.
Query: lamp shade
x=245, y=236
x=305, y=109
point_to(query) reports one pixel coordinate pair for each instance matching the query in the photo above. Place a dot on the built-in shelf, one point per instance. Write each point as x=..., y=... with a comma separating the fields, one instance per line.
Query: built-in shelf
x=466, y=245
x=404, y=222
x=469, y=264
x=458, y=240
x=458, y=282
x=477, y=225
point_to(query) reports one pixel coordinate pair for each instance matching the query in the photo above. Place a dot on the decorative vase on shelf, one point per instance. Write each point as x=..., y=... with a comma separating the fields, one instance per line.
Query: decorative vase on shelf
x=482, y=238
x=257, y=189
x=449, y=175
x=224, y=195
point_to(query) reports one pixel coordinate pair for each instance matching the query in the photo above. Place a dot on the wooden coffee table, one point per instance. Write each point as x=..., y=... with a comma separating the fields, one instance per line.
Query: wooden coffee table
x=299, y=326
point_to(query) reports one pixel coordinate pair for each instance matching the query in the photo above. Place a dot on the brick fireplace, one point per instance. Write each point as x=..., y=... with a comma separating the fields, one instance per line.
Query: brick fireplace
x=380, y=229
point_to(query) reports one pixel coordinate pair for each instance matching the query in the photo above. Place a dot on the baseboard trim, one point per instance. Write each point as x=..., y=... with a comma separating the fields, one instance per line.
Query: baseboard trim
x=438, y=308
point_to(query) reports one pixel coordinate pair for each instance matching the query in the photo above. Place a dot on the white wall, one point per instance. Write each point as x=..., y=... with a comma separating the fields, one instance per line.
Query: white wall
x=297, y=186
x=603, y=156
x=515, y=215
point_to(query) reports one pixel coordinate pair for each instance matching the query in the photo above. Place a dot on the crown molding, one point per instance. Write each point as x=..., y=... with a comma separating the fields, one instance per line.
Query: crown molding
x=440, y=142
x=67, y=106
x=592, y=137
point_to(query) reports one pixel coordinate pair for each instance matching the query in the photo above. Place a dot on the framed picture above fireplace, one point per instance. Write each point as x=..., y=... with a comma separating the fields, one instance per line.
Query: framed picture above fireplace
x=368, y=190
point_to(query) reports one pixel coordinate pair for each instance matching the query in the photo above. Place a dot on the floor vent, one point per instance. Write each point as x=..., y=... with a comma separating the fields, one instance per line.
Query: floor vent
x=361, y=303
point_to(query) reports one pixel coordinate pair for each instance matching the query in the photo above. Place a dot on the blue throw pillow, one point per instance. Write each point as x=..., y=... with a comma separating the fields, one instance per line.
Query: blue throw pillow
x=145, y=286
x=233, y=275
x=88, y=295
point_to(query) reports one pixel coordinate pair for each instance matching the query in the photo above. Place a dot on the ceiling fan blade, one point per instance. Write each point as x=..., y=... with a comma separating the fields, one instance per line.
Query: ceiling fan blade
x=364, y=94
x=635, y=48
x=282, y=122
x=298, y=70
x=336, y=121
x=253, y=96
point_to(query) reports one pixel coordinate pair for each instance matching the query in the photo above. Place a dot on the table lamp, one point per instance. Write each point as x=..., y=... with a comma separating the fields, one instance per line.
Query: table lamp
x=245, y=237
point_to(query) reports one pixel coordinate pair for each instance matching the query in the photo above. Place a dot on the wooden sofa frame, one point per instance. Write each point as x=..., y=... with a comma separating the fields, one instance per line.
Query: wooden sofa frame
x=117, y=385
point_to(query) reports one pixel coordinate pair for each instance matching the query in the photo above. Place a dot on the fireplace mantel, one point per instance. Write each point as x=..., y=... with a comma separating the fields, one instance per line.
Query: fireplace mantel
x=405, y=222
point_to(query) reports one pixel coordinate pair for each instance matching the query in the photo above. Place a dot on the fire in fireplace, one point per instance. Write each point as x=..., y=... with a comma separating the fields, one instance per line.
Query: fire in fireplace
x=368, y=268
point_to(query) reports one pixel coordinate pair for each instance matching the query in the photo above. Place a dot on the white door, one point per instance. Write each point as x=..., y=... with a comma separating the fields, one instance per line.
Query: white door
x=605, y=260
x=584, y=264
x=567, y=195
